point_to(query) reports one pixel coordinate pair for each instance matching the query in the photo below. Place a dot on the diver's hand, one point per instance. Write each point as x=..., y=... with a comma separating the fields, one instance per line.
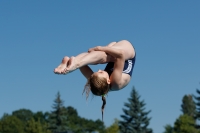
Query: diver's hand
x=97, y=48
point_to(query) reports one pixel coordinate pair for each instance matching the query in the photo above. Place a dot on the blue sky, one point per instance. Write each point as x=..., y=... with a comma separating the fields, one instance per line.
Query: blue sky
x=36, y=35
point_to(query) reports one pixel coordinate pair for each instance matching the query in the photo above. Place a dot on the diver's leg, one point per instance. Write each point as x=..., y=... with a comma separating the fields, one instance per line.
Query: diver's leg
x=127, y=47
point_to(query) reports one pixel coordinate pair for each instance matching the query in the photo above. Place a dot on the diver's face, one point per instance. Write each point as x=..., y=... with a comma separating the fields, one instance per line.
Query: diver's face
x=101, y=73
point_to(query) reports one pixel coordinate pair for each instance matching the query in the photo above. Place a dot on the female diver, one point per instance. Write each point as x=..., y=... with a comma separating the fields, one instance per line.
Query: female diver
x=120, y=58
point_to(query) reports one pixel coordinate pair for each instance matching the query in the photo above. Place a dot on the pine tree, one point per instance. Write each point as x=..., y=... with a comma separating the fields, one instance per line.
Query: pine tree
x=58, y=118
x=188, y=106
x=197, y=102
x=135, y=118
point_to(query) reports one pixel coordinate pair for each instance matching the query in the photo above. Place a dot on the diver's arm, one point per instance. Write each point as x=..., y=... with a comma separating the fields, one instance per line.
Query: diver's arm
x=111, y=44
x=86, y=71
x=117, y=53
x=92, y=58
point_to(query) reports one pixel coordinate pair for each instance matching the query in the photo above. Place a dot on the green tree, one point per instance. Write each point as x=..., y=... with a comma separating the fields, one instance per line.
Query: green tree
x=188, y=106
x=11, y=124
x=197, y=102
x=135, y=119
x=80, y=125
x=99, y=126
x=185, y=124
x=168, y=129
x=114, y=128
x=33, y=126
x=72, y=116
x=58, y=117
x=40, y=116
x=91, y=125
x=23, y=114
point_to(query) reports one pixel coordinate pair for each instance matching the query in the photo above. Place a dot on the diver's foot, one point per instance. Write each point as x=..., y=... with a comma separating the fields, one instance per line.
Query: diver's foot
x=71, y=66
x=62, y=66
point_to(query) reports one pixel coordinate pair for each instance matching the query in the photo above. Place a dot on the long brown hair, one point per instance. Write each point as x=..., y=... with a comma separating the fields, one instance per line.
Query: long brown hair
x=103, y=105
x=99, y=87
